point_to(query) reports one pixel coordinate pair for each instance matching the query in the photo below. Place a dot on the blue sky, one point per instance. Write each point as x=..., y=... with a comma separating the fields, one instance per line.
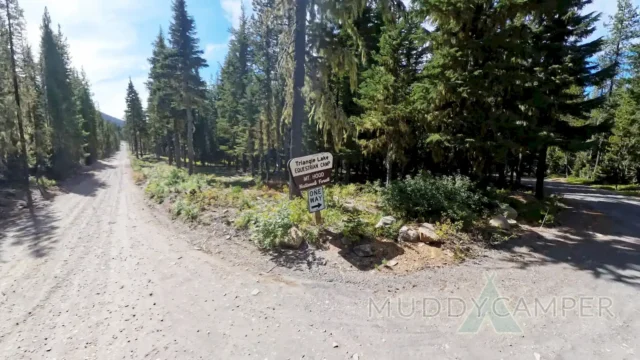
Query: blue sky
x=111, y=39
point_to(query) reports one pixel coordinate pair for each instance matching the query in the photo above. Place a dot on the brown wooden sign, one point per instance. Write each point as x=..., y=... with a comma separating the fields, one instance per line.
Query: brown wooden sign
x=311, y=170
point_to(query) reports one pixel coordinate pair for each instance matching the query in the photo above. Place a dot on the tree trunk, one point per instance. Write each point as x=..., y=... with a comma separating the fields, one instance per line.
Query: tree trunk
x=389, y=164
x=176, y=143
x=190, y=134
x=595, y=168
x=502, y=177
x=541, y=172
x=16, y=94
x=519, y=170
x=297, y=113
x=37, y=139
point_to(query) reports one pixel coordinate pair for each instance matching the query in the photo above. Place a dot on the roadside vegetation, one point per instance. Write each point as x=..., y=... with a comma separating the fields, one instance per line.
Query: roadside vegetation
x=356, y=213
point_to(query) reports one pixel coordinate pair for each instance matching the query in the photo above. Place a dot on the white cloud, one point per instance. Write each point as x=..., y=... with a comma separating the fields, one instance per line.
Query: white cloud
x=212, y=50
x=233, y=10
x=104, y=40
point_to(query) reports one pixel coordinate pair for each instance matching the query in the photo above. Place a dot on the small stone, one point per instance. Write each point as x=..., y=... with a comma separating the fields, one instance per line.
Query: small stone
x=355, y=357
x=364, y=250
x=228, y=237
x=428, y=233
x=536, y=355
x=392, y=263
x=500, y=222
x=508, y=212
x=335, y=344
x=386, y=221
x=255, y=292
x=295, y=238
x=408, y=234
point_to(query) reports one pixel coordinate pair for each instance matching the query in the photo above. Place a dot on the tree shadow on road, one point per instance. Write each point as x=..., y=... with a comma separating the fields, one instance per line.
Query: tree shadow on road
x=34, y=228
x=587, y=240
x=87, y=181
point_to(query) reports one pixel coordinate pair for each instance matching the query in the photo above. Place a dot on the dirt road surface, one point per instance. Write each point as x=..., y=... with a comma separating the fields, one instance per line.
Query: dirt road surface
x=96, y=274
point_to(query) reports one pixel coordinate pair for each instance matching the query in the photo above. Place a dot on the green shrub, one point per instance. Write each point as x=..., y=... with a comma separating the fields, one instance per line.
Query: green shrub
x=44, y=182
x=186, y=210
x=354, y=228
x=156, y=192
x=271, y=227
x=427, y=198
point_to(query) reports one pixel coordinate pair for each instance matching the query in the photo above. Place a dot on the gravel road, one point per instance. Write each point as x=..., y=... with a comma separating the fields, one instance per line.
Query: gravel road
x=96, y=274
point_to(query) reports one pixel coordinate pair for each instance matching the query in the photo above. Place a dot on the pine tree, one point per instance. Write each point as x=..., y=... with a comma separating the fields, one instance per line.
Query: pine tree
x=14, y=19
x=85, y=110
x=135, y=118
x=560, y=62
x=188, y=61
x=234, y=77
x=384, y=94
x=468, y=89
x=160, y=98
x=59, y=99
x=624, y=27
x=35, y=111
x=264, y=43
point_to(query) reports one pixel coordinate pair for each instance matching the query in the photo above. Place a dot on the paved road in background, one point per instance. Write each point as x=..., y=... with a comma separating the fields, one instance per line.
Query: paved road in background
x=96, y=274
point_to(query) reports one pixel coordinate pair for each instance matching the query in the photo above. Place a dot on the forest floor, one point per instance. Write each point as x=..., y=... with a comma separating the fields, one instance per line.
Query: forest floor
x=97, y=273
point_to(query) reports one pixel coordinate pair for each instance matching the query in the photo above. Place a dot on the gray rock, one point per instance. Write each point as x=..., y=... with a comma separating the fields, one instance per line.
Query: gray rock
x=365, y=250
x=512, y=222
x=295, y=238
x=428, y=233
x=508, y=212
x=500, y=222
x=335, y=344
x=255, y=292
x=386, y=221
x=408, y=234
x=355, y=357
x=392, y=263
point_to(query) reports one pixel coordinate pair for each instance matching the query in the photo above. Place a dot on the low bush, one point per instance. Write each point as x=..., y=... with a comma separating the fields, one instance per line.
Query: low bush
x=428, y=198
x=43, y=182
x=271, y=227
x=531, y=210
x=186, y=210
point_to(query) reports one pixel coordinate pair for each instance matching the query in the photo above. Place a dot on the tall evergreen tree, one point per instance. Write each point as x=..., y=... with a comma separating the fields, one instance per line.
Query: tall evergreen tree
x=59, y=99
x=560, y=62
x=34, y=104
x=188, y=61
x=135, y=118
x=160, y=98
x=387, y=121
x=232, y=90
x=14, y=18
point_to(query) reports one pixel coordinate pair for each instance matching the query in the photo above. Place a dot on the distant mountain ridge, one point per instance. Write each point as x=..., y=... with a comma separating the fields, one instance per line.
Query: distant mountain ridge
x=111, y=119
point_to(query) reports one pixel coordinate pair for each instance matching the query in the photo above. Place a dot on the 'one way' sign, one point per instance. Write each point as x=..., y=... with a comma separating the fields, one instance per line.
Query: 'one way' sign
x=315, y=198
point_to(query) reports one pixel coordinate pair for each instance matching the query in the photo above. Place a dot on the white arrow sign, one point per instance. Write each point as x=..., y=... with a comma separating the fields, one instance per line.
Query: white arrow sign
x=315, y=197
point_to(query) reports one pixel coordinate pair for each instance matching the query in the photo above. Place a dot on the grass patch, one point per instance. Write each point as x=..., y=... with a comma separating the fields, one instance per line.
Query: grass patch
x=578, y=181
